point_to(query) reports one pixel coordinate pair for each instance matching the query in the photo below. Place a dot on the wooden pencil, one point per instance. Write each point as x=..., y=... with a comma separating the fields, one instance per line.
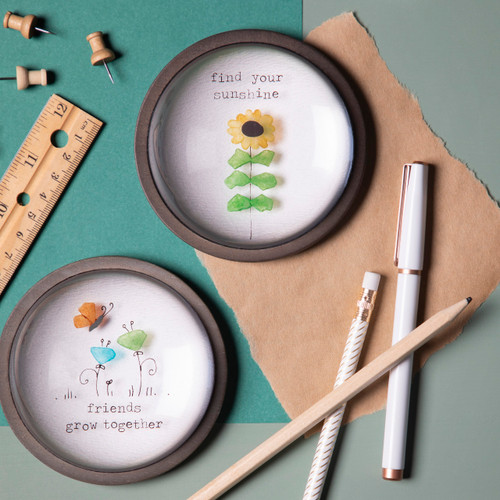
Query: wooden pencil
x=325, y=406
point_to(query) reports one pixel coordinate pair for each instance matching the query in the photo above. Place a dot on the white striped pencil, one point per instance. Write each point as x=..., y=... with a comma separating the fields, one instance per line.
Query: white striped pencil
x=348, y=365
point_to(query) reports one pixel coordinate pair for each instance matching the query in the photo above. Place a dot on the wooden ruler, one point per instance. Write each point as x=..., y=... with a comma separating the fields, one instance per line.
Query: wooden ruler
x=38, y=175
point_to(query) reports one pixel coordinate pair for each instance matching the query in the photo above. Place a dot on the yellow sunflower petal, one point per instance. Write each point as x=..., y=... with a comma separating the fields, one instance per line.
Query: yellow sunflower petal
x=262, y=141
x=237, y=138
x=266, y=120
x=269, y=130
x=246, y=142
x=234, y=131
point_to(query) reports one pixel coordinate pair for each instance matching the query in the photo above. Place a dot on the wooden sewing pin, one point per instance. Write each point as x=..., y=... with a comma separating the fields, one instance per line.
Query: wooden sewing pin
x=100, y=53
x=25, y=77
x=25, y=25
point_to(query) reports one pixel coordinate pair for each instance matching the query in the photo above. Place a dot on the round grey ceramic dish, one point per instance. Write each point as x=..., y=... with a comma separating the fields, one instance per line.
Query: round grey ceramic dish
x=138, y=402
x=316, y=145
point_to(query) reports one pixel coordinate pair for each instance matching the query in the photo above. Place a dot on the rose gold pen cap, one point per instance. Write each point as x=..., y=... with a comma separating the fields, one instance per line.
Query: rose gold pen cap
x=392, y=474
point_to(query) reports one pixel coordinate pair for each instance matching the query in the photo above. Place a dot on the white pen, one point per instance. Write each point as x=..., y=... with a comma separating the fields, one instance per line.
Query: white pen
x=408, y=257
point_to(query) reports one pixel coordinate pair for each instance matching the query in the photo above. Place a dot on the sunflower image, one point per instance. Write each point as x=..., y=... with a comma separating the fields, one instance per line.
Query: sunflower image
x=252, y=129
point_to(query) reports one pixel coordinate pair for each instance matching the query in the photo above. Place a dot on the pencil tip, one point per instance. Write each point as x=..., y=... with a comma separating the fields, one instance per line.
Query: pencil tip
x=469, y=299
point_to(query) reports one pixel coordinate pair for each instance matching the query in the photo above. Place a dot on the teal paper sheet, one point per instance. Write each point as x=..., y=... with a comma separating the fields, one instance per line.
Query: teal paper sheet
x=104, y=210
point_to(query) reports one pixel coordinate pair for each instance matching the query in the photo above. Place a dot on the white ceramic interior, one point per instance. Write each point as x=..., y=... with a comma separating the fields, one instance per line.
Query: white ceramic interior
x=189, y=146
x=137, y=409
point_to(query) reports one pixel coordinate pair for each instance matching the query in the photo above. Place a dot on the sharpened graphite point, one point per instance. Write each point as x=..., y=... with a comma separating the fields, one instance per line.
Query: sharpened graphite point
x=100, y=53
x=25, y=25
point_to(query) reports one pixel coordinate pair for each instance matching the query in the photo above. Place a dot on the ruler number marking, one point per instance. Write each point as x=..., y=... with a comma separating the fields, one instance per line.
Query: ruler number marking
x=31, y=160
x=60, y=109
x=3, y=208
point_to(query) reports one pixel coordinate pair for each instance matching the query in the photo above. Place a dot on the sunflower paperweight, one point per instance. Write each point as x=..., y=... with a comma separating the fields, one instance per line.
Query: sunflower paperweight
x=112, y=370
x=250, y=145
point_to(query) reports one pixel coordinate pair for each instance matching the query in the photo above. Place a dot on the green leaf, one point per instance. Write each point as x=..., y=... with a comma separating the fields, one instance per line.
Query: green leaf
x=238, y=203
x=264, y=158
x=241, y=158
x=263, y=181
x=262, y=203
x=237, y=179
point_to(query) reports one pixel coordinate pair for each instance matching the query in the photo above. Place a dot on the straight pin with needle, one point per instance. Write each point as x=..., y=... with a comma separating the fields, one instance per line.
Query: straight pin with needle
x=109, y=72
x=44, y=30
x=100, y=53
x=25, y=77
x=25, y=25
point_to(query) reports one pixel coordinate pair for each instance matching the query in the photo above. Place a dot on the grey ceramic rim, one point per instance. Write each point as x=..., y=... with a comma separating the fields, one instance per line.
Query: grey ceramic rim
x=260, y=37
x=139, y=268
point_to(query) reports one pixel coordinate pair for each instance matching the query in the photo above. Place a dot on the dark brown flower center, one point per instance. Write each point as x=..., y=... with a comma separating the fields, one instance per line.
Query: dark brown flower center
x=252, y=129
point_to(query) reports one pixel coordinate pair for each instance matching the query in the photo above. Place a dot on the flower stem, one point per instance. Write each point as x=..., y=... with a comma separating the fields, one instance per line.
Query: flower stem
x=250, y=177
x=138, y=353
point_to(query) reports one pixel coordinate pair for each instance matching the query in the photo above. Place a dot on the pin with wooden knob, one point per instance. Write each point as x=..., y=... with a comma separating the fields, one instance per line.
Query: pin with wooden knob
x=100, y=53
x=26, y=25
x=25, y=77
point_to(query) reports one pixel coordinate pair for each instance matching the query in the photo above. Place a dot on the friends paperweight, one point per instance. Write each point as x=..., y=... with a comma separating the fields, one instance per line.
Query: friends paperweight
x=112, y=370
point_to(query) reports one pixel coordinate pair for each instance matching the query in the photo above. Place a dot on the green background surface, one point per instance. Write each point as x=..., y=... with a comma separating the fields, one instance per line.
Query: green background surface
x=446, y=52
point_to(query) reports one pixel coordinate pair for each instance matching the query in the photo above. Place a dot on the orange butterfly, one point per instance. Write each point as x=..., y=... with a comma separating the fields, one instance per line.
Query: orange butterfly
x=88, y=316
